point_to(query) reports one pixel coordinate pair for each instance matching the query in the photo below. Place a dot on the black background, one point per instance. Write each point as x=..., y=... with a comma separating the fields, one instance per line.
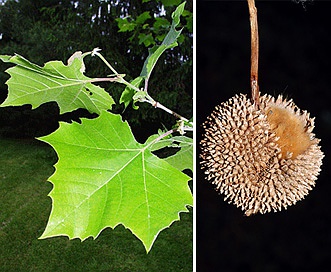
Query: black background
x=295, y=60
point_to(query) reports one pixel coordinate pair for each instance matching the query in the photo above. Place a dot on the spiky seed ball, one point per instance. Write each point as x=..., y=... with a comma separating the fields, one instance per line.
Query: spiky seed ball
x=261, y=158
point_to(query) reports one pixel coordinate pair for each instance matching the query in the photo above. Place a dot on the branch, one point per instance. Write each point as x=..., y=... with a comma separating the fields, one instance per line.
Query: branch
x=146, y=97
x=254, y=52
x=158, y=105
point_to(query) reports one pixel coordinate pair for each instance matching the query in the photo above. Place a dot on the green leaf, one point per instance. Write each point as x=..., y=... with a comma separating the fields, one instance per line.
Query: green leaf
x=161, y=23
x=183, y=159
x=143, y=17
x=146, y=39
x=104, y=178
x=189, y=20
x=168, y=42
x=156, y=145
x=128, y=93
x=124, y=25
x=64, y=84
x=168, y=3
x=139, y=95
x=154, y=53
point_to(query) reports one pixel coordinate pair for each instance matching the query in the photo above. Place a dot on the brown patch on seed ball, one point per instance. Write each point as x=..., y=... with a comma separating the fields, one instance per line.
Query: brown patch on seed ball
x=293, y=137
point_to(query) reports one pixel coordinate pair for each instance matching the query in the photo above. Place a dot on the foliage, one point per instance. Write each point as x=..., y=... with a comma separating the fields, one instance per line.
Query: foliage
x=24, y=168
x=50, y=30
x=148, y=30
x=116, y=181
x=104, y=177
x=67, y=85
x=169, y=41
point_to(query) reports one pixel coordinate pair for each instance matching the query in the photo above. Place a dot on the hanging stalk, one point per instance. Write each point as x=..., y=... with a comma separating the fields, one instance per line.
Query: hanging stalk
x=254, y=52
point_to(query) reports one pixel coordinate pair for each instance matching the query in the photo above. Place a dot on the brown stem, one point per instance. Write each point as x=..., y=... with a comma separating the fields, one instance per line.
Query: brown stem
x=254, y=52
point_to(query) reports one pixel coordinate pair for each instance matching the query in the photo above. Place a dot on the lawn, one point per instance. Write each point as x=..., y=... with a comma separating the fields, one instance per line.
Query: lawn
x=25, y=166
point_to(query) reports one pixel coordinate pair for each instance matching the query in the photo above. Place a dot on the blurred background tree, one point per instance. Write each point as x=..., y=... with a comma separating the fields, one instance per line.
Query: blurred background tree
x=53, y=30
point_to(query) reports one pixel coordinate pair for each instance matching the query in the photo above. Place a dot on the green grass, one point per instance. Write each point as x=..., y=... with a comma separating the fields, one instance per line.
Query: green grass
x=25, y=166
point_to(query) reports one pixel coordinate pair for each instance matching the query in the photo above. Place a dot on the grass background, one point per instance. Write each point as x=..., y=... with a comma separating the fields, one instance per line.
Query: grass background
x=25, y=166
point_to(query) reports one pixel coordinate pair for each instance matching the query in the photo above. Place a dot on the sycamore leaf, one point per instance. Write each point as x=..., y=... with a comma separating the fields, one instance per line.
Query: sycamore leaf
x=155, y=52
x=64, y=84
x=104, y=178
x=169, y=41
x=128, y=93
x=183, y=159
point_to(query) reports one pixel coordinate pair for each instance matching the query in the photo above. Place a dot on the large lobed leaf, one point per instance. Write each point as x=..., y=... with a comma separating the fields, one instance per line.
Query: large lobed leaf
x=104, y=178
x=64, y=84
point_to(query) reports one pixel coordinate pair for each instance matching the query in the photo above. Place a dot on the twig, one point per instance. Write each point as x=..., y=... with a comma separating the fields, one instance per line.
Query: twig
x=158, y=105
x=147, y=98
x=254, y=52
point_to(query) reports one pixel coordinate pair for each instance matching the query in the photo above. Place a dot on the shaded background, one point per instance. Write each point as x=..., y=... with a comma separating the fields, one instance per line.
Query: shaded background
x=295, y=61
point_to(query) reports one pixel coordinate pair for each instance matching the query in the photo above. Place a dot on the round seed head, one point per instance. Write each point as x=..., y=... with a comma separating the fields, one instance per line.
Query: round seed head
x=261, y=158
